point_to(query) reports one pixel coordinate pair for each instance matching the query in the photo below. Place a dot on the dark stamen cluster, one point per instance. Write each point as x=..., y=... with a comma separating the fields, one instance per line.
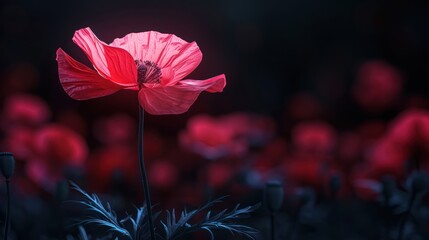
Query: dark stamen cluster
x=148, y=72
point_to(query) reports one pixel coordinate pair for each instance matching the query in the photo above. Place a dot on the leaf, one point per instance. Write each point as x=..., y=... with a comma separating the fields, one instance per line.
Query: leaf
x=82, y=233
x=104, y=216
x=224, y=220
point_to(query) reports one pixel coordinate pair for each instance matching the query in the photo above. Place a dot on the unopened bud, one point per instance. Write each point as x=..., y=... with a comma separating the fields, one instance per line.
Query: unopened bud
x=274, y=195
x=7, y=164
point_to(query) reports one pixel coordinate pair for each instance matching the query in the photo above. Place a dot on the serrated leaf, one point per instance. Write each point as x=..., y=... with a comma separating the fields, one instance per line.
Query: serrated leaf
x=104, y=216
x=175, y=229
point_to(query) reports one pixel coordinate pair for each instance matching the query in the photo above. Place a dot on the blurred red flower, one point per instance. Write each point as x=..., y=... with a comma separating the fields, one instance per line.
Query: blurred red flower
x=388, y=158
x=151, y=62
x=24, y=110
x=304, y=172
x=211, y=138
x=411, y=128
x=217, y=174
x=353, y=145
x=271, y=156
x=20, y=142
x=116, y=129
x=407, y=139
x=314, y=138
x=313, y=172
x=112, y=166
x=255, y=129
x=378, y=85
x=55, y=149
x=163, y=174
x=228, y=135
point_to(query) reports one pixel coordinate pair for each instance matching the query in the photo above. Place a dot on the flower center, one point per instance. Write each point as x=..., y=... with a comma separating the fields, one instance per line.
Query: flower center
x=147, y=72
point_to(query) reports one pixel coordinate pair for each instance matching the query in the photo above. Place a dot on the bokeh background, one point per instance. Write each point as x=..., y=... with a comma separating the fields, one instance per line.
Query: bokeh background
x=319, y=94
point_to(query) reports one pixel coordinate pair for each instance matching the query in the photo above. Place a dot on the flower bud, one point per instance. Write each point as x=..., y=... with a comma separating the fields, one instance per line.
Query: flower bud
x=274, y=195
x=7, y=164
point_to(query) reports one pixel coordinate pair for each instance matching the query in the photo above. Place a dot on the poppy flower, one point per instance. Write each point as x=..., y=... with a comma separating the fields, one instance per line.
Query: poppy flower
x=24, y=110
x=378, y=86
x=411, y=128
x=406, y=140
x=314, y=138
x=152, y=63
x=112, y=166
x=388, y=158
x=211, y=138
x=256, y=129
x=19, y=141
x=56, y=148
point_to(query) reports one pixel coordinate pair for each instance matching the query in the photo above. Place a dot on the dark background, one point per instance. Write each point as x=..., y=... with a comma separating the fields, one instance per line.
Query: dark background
x=270, y=51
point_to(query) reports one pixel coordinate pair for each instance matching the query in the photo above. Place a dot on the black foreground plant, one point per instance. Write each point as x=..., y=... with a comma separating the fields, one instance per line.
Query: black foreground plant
x=274, y=195
x=7, y=167
x=134, y=227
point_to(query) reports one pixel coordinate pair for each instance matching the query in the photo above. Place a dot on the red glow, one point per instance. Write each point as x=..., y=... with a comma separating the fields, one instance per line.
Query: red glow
x=55, y=148
x=25, y=110
x=378, y=86
x=315, y=138
x=163, y=175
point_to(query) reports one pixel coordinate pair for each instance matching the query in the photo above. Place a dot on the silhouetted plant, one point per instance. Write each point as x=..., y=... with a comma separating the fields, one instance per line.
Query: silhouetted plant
x=134, y=227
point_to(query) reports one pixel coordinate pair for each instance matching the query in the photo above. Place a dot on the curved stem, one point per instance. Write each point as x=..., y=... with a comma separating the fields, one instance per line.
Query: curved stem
x=143, y=173
x=6, y=227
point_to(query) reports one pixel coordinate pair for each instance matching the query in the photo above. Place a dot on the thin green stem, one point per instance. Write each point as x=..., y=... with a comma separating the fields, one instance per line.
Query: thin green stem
x=6, y=227
x=144, y=175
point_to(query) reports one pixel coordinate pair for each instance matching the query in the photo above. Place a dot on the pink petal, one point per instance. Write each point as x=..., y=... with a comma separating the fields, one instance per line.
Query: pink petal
x=178, y=98
x=166, y=50
x=111, y=63
x=214, y=84
x=79, y=81
x=167, y=77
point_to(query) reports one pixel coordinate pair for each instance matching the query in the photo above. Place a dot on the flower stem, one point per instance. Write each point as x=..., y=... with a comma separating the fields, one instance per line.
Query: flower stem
x=406, y=215
x=143, y=173
x=386, y=215
x=273, y=234
x=6, y=228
